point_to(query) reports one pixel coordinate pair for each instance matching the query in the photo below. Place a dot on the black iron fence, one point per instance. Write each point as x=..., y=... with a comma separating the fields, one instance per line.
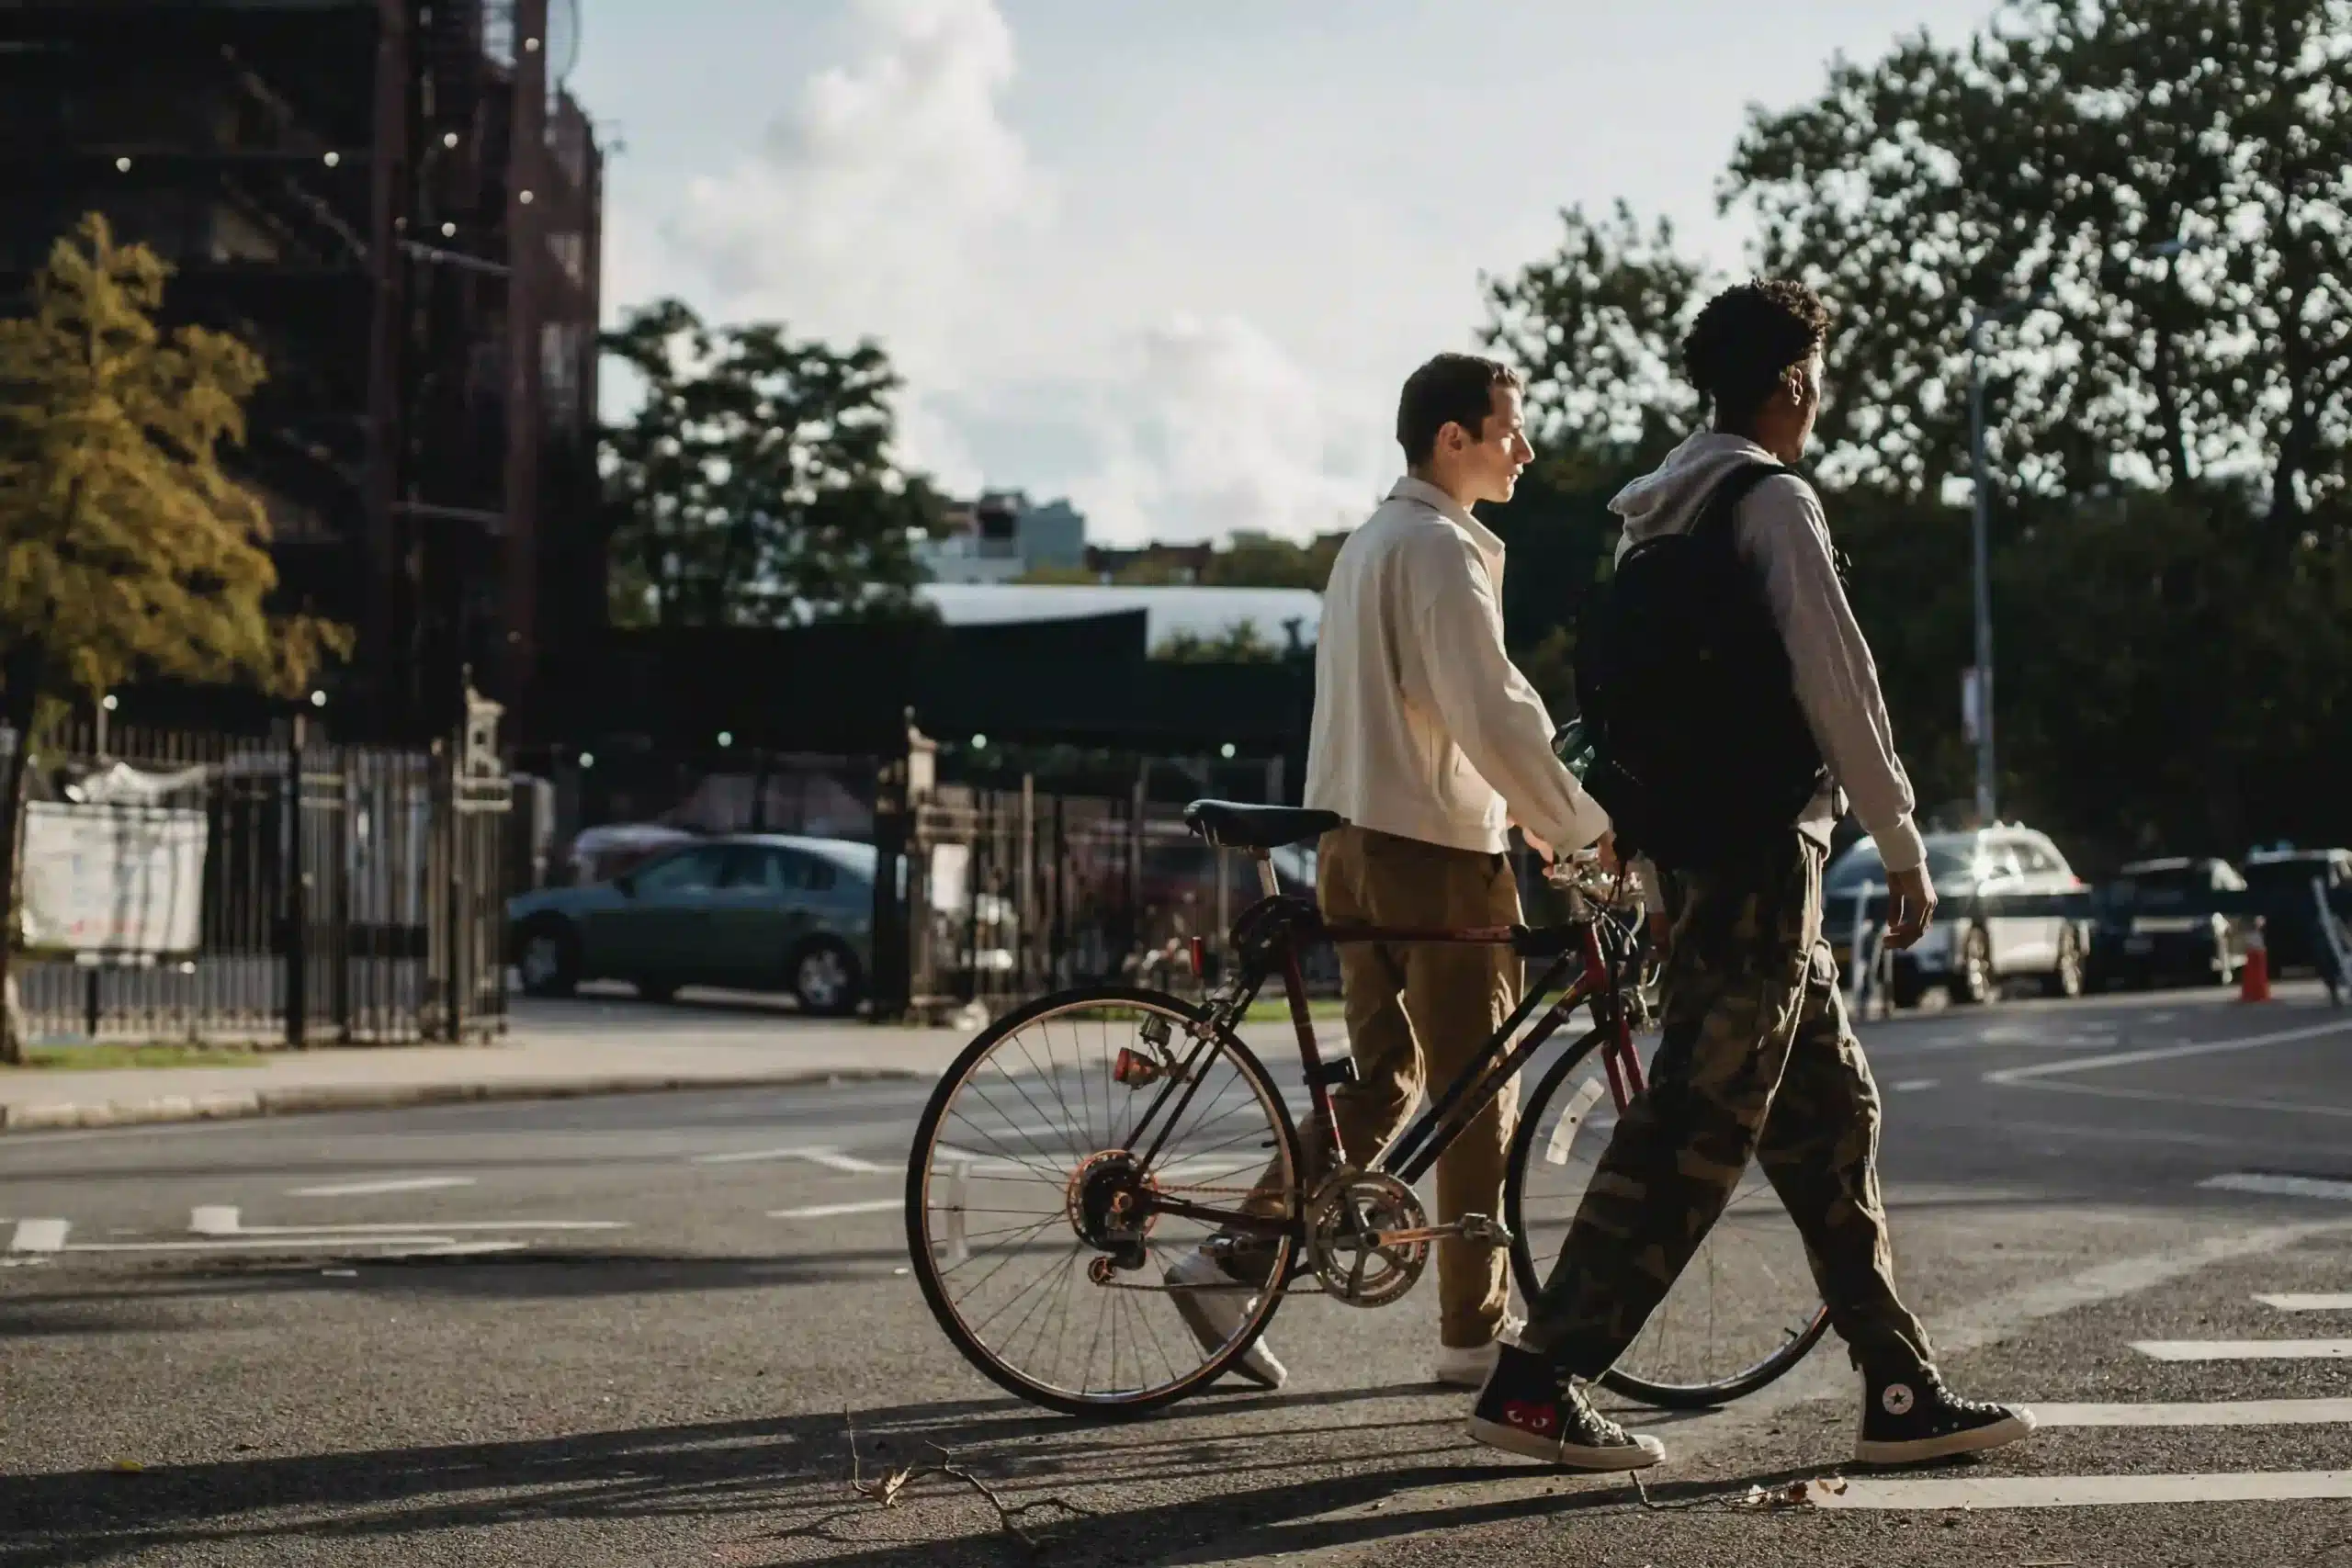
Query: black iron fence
x=290, y=889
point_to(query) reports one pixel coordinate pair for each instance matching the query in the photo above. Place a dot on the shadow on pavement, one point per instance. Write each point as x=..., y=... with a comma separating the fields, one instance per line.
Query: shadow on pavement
x=748, y=1489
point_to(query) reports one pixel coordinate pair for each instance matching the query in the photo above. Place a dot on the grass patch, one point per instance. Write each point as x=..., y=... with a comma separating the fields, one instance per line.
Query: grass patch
x=77, y=1058
x=1276, y=1010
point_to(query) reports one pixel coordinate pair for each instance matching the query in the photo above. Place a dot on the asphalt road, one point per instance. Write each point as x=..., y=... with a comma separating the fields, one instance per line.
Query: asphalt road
x=627, y=1331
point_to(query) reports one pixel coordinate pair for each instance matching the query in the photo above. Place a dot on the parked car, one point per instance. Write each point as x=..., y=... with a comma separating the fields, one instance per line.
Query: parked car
x=2281, y=882
x=751, y=912
x=599, y=854
x=1970, y=958
x=2156, y=924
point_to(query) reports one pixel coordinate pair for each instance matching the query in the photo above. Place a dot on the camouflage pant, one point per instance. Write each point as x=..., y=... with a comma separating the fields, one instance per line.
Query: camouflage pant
x=1757, y=1061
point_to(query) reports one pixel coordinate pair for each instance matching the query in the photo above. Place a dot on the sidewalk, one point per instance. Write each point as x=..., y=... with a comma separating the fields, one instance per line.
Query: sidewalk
x=552, y=1050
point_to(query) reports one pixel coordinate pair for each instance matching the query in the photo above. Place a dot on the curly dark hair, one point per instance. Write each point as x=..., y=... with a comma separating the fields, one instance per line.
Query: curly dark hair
x=1452, y=389
x=1746, y=337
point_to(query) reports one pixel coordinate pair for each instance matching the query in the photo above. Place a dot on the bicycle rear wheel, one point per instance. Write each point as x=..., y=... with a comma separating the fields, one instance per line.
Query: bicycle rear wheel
x=1027, y=1159
x=1742, y=1314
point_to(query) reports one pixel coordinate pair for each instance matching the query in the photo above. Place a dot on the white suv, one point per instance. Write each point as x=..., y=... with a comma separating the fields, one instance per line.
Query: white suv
x=1969, y=957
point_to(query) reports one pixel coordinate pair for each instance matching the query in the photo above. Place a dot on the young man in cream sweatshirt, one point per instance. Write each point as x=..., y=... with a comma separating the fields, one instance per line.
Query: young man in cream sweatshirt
x=1430, y=743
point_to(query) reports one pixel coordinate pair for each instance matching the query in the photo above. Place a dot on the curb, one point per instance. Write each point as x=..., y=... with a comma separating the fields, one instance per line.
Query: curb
x=306, y=1101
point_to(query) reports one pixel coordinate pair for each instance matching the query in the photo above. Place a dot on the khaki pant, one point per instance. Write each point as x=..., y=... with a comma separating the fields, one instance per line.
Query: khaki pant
x=1417, y=1014
x=1756, y=1062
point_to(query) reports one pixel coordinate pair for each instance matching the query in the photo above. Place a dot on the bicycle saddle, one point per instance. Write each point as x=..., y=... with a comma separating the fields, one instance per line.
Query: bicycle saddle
x=1237, y=827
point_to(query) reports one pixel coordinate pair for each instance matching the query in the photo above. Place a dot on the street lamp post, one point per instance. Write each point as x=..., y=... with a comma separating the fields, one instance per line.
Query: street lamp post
x=1987, y=795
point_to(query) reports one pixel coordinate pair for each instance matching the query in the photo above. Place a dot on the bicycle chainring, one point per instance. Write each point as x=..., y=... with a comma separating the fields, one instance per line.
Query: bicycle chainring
x=1344, y=1224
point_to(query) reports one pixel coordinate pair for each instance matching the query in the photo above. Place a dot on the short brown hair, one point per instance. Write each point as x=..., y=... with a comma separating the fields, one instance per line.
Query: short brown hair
x=1452, y=389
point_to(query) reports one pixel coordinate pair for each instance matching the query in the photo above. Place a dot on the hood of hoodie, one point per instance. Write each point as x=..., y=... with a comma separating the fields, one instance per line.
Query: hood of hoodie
x=1668, y=499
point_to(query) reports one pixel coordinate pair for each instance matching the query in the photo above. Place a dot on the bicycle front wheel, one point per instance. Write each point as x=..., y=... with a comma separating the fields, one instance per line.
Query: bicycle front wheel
x=1034, y=1188
x=1744, y=1310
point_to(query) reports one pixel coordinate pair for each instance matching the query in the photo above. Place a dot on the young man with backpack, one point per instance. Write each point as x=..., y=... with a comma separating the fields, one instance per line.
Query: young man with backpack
x=1735, y=714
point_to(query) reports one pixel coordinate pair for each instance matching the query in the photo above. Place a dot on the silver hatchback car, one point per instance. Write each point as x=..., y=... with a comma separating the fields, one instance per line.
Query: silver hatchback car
x=1972, y=957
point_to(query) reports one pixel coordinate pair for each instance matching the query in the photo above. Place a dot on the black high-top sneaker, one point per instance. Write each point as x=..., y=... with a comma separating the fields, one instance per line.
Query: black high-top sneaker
x=1529, y=1407
x=1911, y=1418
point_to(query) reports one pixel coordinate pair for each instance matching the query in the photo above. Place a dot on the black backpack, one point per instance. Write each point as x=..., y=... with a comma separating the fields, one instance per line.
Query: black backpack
x=1700, y=753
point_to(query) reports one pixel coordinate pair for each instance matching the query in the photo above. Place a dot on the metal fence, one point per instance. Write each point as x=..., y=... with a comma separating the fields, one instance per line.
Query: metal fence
x=1011, y=893
x=349, y=894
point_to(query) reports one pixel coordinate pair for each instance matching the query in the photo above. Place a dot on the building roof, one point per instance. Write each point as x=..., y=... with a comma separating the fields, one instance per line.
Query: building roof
x=1203, y=611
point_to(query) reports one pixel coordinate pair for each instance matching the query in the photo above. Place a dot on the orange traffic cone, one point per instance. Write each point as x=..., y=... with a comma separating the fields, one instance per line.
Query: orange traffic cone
x=2254, y=976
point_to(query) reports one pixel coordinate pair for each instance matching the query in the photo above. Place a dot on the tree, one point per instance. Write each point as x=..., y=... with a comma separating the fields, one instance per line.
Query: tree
x=126, y=548
x=755, y=485
x=1239, y=643
x=1596, y=328
x=2064, y=150
x=1260, y=560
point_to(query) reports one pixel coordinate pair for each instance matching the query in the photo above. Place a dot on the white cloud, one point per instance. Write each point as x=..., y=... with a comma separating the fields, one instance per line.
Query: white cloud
x=1215, y=428
x=862, y=209
x=892, y=198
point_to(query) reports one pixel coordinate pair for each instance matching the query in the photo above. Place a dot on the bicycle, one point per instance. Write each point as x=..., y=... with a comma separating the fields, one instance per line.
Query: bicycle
x=1130, y=1182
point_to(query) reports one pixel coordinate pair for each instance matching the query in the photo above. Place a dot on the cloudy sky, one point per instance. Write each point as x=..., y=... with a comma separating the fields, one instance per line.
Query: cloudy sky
x=1171, y=260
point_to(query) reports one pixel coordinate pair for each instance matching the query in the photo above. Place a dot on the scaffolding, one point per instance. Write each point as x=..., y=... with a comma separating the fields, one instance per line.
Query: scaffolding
x=398, y=205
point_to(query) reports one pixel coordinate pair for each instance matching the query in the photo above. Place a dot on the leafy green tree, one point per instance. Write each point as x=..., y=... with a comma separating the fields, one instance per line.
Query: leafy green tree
x=1597, y=327
x=757, y=485
x=1260, y=560
x=126, y=548
x=2066, y=149
x=1239, y=643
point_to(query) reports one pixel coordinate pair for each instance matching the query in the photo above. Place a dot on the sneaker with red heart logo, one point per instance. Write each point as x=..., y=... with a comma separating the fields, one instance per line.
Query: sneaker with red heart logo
x=1531, y=1408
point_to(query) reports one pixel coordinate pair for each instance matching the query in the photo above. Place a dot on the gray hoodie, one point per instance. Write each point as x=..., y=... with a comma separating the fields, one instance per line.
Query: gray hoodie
x=1780, y=529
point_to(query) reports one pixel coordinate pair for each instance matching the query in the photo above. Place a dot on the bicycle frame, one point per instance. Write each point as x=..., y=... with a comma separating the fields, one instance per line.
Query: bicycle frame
x=1575, y=946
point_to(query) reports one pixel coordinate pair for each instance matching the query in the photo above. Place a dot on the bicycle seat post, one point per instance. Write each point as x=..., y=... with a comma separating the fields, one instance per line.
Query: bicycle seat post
x=1268, y=882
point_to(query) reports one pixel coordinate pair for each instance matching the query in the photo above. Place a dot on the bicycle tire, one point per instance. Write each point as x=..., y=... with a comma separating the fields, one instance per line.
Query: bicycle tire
x=925, y=1259
x=1737, y=1385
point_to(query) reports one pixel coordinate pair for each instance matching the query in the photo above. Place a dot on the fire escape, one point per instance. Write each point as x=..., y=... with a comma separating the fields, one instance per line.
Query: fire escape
x=395, y=204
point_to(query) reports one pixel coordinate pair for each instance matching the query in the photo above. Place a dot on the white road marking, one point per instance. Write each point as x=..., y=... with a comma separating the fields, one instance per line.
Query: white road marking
x=222, y=1220
x=2217, y=1413
x=411, y=1230
x=40, y=1235
x=2244, y=1350
x=828, y=1211
x=832, y=1160
x=2082, y=1491
x=2291, y=1302
x=265, y=1243
x=2009, y=1077
x=2277, y=1186
x=397, y=1184
x=1913, y=1086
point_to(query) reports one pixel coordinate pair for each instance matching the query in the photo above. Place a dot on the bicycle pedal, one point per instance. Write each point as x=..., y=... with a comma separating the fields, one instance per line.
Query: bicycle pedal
x=1483, y=1231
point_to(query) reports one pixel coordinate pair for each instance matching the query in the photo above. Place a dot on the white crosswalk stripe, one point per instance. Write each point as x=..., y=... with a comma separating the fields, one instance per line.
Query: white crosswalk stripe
x=2244, y=1350
x=2081, y=1491
x=1935, y=1493
x=2213, y=1412
x=2339, y=1303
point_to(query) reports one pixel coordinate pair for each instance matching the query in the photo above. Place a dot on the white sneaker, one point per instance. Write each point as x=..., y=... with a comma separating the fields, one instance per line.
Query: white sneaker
x=1215, y=1309
x=1469, y=1369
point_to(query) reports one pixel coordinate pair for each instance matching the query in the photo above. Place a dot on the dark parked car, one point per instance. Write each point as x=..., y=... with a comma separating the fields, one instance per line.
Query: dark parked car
x=2157, y=925
x=754, y=912
x=2282, y=881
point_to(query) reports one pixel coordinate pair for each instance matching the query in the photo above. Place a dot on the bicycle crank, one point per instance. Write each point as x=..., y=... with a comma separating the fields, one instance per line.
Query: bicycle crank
x=1367, y=1238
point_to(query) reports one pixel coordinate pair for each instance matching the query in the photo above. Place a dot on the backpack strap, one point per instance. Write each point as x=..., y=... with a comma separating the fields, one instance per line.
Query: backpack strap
x=1715, y=521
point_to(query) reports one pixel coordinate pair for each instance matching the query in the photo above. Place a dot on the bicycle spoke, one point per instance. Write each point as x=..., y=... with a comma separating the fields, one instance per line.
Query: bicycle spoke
x=1022, y=1115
